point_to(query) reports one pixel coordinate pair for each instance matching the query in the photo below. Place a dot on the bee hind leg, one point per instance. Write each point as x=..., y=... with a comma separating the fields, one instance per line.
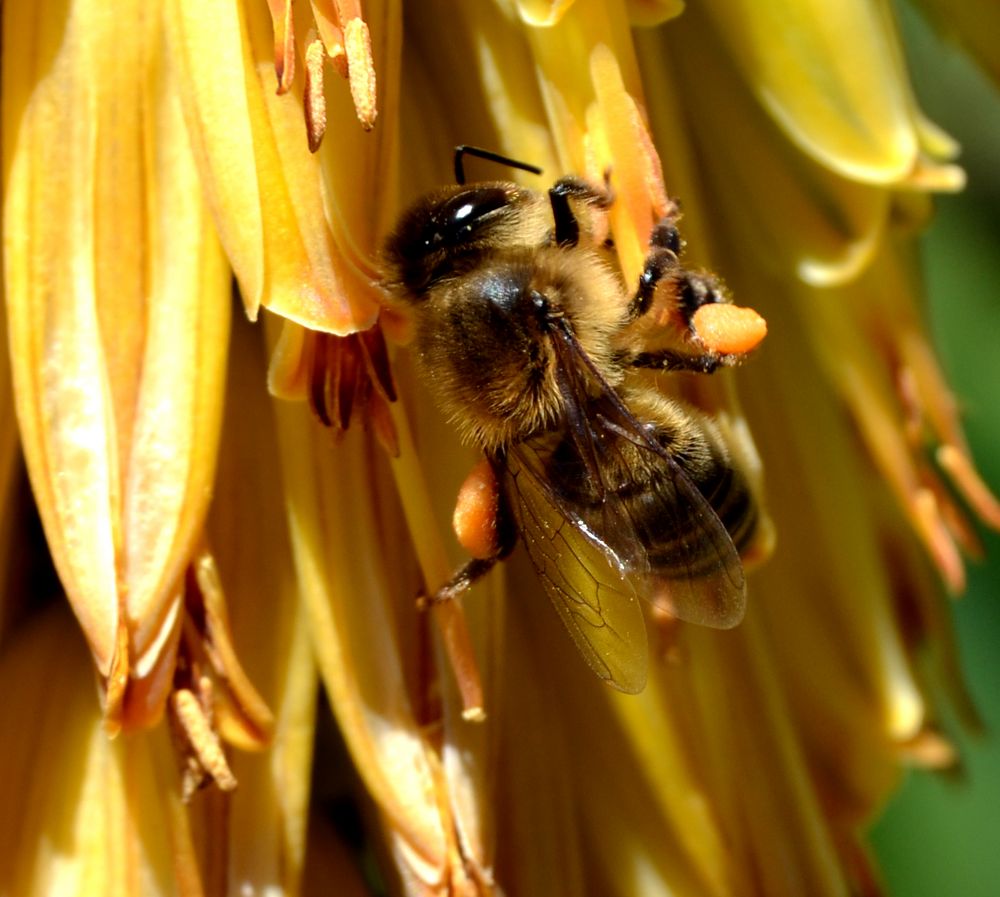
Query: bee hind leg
x=463, y=579
x=484, y=526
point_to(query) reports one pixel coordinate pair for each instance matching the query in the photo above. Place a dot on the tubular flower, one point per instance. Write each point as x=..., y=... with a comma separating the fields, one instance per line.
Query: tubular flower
x=228, y=553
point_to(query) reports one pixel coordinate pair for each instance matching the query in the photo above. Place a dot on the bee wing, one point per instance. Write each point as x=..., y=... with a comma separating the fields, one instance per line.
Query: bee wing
x=590, y=586
x=672, y=541
x=695, y=572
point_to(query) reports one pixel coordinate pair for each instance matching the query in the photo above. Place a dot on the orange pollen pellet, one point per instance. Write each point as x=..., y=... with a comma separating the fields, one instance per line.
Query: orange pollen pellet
x=475, y=517
x=729, y=329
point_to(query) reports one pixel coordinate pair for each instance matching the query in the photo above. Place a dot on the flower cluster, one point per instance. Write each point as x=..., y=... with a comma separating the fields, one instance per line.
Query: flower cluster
x=241, y=512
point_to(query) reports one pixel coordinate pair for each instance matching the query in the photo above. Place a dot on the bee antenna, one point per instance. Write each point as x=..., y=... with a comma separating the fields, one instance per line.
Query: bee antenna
x=489, y=156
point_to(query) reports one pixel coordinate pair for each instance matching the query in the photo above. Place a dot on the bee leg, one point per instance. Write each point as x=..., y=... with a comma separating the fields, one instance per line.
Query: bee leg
x=665, y=234
x=665, y=247
x=484, y=526
x=463, y=579
x=669, y=360
x=567, y=227
x=661, y=262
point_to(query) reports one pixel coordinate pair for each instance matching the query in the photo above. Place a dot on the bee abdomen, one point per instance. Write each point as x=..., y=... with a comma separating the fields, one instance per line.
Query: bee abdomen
x=675, y=542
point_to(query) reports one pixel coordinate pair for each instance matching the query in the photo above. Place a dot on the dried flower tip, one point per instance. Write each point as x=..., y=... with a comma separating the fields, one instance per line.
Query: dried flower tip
x=361, y=70
x=729, y=329
x=315, y=99
x=246, y=721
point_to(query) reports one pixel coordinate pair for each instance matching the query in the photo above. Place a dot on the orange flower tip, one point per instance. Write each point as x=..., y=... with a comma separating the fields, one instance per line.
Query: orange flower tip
x=931, y=750
x=935, y=177
x=284, y=44
x=964, y=475
x=476, y=511
x=361, y=70
x=315, y=99
x=116, y=684
x=474, y=715
x=729, y=329
x=938, y=540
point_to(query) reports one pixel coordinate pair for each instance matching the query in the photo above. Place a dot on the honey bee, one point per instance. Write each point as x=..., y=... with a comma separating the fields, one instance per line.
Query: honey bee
x=529, y=340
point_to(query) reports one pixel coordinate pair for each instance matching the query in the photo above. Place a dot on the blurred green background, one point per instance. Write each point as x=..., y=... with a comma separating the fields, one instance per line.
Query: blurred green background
x=941, y=835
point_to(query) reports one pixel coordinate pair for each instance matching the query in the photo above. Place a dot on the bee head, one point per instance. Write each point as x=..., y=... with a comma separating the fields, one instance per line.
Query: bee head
x=445, y=233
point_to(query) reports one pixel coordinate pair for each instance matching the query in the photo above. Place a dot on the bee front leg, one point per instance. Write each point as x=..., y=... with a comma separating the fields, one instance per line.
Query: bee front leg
x=567, y=227
x=691, y=291
x=484, y=527
x=663, y=260
x=669, y=360
x=660, y=263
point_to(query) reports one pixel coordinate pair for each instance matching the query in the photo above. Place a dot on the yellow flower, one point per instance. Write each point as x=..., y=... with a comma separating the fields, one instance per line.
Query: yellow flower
x=225, y=554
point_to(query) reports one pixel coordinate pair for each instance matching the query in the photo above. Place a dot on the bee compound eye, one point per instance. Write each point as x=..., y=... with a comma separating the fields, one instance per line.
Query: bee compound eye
x=462, y=215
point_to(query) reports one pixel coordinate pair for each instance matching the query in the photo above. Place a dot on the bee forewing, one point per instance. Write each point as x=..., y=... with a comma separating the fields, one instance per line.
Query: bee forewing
x=593, y=594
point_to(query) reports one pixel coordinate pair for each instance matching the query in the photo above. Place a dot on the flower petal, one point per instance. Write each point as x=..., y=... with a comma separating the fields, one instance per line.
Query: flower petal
x=83, y=814
x=266, y=816
x=118, y=305
x=807, y=218
x=850, y=110
x=264, y=186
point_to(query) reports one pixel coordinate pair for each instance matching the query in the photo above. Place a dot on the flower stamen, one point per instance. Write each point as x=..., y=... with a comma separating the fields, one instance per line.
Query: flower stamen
x=348, y=373
x=314, y=98
x=361, y=71
x=204, y=757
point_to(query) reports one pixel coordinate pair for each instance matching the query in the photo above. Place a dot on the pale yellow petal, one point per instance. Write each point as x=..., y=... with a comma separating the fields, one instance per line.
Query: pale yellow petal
x=10, y=507
x=82, y=814
x=118, y=306
x=267, y=814
x=263, y=184
x=850, y=109
x=355, y=627
x=806, y=218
